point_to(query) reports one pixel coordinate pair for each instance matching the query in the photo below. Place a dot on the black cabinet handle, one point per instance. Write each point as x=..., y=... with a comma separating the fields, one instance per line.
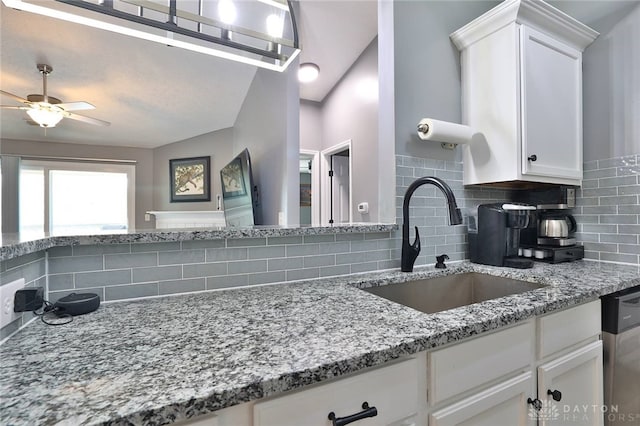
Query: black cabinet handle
x=366, y=412
x=532, y=157
x=537, y=404
x=555, y=394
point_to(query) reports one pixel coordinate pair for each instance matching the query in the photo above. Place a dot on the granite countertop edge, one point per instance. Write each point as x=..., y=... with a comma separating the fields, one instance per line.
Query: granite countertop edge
x=569, y=285
x=14, y=245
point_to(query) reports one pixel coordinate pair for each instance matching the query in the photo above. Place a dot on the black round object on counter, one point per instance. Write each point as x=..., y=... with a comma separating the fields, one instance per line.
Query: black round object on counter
x=77, y=303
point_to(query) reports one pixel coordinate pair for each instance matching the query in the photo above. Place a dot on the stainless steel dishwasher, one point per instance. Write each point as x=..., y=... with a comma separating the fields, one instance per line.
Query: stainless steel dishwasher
x=621, y=339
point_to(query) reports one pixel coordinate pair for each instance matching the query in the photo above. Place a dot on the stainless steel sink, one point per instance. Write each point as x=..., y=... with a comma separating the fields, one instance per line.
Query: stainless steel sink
x=452, y=291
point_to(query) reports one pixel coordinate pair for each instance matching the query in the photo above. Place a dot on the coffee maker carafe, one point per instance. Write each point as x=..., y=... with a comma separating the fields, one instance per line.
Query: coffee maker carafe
x=556, y=229
x=497, y=237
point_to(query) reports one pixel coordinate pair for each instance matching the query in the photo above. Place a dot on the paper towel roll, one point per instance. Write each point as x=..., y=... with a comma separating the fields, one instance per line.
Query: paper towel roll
x=443, y=131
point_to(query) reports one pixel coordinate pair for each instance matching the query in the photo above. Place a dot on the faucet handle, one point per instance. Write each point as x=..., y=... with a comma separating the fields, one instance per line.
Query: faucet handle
x=440, y=261
x=416, y=242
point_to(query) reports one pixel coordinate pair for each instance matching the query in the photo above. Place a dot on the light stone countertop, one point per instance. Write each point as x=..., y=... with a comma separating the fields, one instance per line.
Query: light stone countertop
x=14, y=245
x=161, y=360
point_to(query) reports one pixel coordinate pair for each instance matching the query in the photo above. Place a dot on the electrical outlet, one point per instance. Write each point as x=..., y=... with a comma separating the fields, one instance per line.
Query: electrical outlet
x=7, y=296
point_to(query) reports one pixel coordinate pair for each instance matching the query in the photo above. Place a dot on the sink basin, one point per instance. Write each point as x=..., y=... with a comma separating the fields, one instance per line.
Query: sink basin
x=443, y=293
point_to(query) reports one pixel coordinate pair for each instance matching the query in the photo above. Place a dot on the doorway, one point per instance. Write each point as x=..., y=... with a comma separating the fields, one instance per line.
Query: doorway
x=336, y=186
x=309, y=187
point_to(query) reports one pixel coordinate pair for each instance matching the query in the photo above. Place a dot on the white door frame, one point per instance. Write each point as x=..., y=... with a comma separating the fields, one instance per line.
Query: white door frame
x=326, y=181
x=315, y=184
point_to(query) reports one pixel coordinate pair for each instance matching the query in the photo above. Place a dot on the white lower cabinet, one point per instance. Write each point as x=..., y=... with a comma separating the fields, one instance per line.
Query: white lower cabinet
x=546, y=371
x=512, y=376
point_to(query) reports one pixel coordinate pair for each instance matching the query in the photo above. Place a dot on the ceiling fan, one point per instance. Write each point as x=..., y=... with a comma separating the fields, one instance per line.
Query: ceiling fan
x=47, y=111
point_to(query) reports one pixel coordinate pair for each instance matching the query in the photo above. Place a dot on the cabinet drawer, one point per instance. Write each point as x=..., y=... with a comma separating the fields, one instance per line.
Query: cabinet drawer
x=566, y=328
x=393, y=390
x=464, y=366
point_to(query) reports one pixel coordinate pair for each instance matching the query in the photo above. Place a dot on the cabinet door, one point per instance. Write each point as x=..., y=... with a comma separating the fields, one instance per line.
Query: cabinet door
x=551, y=103
x=578, y=377
x=503, y=404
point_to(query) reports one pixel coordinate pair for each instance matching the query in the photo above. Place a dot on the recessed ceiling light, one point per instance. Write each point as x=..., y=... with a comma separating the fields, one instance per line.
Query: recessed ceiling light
x=308, y=72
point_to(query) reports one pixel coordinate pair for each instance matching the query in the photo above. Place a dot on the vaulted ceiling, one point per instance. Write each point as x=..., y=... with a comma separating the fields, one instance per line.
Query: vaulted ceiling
x=154, y=94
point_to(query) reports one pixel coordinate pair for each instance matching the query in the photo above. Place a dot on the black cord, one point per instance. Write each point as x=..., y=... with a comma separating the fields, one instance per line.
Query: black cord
x=50, y=309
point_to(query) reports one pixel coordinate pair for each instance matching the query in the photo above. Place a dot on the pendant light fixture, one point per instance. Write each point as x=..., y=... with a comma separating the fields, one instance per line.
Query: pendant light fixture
x=197, y=25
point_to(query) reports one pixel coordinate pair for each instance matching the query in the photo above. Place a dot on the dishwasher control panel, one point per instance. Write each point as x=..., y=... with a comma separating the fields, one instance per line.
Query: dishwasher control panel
x=621, y=310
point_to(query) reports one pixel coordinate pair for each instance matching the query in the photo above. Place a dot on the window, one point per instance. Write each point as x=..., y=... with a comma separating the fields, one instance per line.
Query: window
x=64, y=198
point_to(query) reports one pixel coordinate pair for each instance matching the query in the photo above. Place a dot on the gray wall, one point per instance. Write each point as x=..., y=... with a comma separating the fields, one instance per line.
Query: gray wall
x=611, y=82
x=142, y=156
x=268, y=125
x=427, y=69
x=347, y=113
x=10, y=197
x=218, y=145
x=427, y=84
x=310, y=125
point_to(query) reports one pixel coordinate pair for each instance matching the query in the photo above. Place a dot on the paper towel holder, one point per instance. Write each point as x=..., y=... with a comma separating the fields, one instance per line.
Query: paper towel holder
x=424, y=128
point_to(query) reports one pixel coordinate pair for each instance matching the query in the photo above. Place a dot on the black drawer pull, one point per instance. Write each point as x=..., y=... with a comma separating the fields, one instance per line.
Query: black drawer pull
x=366, y=412
x=532, y=158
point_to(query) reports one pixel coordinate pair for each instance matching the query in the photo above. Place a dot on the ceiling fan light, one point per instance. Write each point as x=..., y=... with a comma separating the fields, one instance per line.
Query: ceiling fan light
x=308, y=72
x=45, y=117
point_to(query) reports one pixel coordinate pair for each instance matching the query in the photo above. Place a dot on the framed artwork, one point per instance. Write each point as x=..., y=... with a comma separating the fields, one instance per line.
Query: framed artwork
x=190, y=179
x=305, y=195
x=232, y=177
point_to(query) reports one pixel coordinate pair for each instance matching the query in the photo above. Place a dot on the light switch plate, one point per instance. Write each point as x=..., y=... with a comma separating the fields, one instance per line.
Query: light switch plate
x=7, y=296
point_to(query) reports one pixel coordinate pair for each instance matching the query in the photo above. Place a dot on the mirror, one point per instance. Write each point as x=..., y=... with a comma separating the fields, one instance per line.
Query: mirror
x=167, y=104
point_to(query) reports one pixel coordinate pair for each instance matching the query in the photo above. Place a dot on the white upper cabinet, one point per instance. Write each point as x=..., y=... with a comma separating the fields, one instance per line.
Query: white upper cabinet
x=522, y=89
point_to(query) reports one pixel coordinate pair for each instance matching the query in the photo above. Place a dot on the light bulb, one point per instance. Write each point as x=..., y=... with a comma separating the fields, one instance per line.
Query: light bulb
x=227, y=11
x=308, y=72
x=275, y=25
x=45, y=117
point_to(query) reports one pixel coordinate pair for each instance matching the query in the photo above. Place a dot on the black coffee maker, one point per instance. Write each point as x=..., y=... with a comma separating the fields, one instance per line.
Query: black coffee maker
x=497, y=235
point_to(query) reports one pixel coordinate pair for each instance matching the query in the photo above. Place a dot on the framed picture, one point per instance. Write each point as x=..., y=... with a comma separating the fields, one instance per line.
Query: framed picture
x=305, y=195
x=190, y=179
x=232, y=177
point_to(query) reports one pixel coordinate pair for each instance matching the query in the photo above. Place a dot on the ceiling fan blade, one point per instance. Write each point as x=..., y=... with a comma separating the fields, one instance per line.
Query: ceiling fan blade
x=88, y=120
x=75, y=106
x=16, y=97
x=13, y=107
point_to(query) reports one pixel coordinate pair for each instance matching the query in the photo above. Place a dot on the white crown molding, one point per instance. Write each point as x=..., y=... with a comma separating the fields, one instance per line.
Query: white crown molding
x=534, y=13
